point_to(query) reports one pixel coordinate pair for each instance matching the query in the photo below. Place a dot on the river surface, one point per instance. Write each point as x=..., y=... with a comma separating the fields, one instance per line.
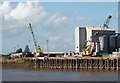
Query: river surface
x=12, y=74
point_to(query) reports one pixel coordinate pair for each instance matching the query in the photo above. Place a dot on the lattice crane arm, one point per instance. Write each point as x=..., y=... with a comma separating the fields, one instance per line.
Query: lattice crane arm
x=33, y=36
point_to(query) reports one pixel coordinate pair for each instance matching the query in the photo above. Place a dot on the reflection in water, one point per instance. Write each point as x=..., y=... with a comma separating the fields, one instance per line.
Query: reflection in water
x=50, y=75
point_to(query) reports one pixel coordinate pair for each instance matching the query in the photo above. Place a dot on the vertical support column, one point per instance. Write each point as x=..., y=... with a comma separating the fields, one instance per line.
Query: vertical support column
x=62, y=63
x=58, y=63
x=113, y=64
x=86, y=63
x=98, y=63
x=91, y=63
x=82, y=63
x=35, y=63
x=67, y=63
x=100, y=67
x=70, y=63
x=108, y=64
x=52, y=64
x=49, y=63
x=55, y=61
x=76, y=64
x=117, y=64
x=44, y=63
x=73, y=63
x=105, y=63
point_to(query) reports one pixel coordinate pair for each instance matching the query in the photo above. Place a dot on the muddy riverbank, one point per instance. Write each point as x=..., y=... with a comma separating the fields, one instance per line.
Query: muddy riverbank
x=15, y=63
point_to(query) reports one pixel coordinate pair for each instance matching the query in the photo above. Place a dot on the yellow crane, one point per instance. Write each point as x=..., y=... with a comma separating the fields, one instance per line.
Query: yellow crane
x=37, y=48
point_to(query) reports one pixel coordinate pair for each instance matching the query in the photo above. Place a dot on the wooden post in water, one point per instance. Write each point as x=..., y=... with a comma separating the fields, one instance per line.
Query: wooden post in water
x=107, y=63
x=113, y=64
x=35, y=62
x=76, y=64
x=117, y=64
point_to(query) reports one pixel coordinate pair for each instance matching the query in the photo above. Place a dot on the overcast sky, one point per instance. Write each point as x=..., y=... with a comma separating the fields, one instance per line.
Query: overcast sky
x=53, y=21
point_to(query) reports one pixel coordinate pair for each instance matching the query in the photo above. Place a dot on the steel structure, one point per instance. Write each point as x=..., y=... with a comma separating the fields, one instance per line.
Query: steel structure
x=33, y=36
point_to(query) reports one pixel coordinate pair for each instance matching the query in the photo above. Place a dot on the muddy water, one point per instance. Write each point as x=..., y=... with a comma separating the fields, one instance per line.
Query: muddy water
x=11, y=74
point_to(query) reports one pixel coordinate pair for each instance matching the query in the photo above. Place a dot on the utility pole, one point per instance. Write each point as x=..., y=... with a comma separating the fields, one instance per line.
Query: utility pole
x=47, y=47
x=14, y=48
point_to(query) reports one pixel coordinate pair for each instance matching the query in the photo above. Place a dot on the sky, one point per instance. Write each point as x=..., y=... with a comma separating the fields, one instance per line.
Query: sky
x=52, y=21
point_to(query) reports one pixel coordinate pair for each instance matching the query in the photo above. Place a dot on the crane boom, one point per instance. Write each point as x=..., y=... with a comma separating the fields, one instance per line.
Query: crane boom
x=34, y=40
x=107, y=21
x=37, y=48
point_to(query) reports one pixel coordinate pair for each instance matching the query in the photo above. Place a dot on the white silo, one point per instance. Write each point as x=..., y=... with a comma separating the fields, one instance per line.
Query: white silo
x=104, y=43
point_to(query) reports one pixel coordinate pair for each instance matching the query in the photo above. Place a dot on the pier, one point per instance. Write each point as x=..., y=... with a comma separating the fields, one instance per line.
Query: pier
x=100, y=63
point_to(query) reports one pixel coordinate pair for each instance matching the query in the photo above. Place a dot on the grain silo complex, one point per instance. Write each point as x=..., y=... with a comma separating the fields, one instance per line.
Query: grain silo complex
x=106, y=40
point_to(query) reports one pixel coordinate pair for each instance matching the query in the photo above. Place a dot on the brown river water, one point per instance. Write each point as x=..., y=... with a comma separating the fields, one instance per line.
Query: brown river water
x=27, y=74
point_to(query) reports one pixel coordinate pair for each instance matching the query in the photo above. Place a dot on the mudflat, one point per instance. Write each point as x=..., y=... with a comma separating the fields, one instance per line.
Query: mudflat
x=15, y=63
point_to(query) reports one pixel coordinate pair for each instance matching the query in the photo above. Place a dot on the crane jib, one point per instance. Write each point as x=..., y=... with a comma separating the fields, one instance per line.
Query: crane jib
x=37, y=49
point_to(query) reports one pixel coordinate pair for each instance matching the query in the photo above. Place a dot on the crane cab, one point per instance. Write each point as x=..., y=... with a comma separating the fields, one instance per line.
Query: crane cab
x=38, y=52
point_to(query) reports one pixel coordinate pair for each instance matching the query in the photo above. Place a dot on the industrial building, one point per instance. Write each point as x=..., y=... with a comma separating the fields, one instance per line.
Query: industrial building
x=108, y=38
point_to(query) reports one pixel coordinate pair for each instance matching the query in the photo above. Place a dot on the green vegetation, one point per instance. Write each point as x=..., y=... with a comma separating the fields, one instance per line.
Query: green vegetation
x=19, y=50
x=27, y=50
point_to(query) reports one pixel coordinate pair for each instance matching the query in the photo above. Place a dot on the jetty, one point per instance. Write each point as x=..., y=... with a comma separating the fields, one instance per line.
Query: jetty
x=100, y=63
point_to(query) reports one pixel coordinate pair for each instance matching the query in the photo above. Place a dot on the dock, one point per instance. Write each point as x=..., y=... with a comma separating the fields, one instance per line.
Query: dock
x=100, y=63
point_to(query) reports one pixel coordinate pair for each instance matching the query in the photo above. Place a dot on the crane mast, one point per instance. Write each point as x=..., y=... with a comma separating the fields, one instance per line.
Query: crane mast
x=33, y=36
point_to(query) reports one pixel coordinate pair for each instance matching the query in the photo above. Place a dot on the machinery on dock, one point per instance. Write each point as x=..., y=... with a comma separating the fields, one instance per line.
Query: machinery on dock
x=38, y=51
x=88, y=49
x=92, y=48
